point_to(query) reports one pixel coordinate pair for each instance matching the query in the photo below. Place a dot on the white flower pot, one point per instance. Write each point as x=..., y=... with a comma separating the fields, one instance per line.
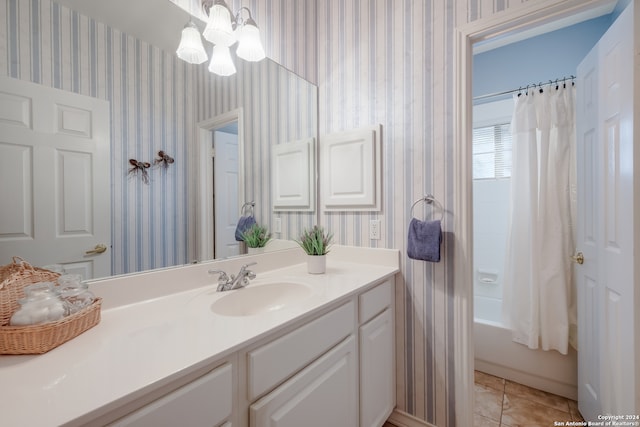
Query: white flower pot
x=316, y=264
x=253, y=251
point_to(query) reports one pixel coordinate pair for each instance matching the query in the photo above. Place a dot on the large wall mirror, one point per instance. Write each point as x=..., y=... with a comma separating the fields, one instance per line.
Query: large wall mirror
x=112, y=51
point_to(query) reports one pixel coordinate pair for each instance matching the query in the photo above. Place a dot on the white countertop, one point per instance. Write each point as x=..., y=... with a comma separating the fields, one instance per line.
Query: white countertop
x=140, y=345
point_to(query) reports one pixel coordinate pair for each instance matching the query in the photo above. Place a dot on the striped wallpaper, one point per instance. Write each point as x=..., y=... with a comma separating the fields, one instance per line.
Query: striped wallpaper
x=390, y=62
x=386, y=62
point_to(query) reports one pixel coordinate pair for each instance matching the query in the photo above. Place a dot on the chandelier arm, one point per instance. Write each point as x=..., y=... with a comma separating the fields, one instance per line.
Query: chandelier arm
x=206, y=6
x=239, y=17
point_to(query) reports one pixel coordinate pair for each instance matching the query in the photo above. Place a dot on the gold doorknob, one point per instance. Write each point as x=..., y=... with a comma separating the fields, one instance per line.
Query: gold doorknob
x=578, y=258
x=100, y=248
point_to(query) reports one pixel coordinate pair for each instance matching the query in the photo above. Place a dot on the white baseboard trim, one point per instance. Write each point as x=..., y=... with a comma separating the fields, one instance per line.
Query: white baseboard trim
x=402, y=419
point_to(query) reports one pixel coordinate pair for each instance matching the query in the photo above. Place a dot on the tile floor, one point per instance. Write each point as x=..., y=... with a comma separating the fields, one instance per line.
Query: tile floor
x=503, y=403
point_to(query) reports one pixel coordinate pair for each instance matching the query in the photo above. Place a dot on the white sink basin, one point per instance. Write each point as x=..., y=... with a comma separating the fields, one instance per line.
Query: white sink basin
x=259, y=299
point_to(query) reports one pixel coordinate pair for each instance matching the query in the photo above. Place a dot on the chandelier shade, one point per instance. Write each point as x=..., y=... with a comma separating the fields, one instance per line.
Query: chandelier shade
x=191, y=49
x=219, y=29
x=221, y=62
x=249, y=43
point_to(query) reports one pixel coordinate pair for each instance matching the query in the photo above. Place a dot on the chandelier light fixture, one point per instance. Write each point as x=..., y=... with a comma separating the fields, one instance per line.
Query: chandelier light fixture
x=223, y=30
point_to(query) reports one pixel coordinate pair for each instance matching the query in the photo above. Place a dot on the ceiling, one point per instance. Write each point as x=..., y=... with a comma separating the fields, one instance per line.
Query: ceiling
x=158, y=22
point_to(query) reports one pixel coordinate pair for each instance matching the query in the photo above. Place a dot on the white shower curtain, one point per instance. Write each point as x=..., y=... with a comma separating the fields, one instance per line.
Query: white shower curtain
x=539, y=299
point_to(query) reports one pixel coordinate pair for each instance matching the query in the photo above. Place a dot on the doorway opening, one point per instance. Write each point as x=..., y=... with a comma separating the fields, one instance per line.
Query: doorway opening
x=221, y=185
x=516, y=68
x=473, y=35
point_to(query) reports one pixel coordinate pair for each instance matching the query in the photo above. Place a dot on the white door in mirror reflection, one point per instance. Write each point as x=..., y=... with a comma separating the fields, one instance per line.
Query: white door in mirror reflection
x=54, y=193
x=225, y=197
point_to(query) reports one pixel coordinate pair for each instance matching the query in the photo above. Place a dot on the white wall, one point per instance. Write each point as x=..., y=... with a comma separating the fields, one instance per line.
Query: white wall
x=490, y=227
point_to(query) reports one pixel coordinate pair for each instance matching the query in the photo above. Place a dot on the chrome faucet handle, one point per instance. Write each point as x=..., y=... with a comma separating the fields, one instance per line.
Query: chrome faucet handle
x=221, y=274
x=244, y=267
x=223, y=278
x=247, y=274
x=243, y=277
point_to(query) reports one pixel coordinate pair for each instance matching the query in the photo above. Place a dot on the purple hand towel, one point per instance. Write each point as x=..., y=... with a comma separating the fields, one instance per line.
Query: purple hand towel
x=244, y=223
x=424, y=240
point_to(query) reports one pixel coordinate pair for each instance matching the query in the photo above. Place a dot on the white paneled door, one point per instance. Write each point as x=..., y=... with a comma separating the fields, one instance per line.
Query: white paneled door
x=225, y=196
x=55, y=203
x=608, y=377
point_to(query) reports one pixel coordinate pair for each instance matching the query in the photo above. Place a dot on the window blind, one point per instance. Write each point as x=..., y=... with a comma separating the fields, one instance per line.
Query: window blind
x=492, y=152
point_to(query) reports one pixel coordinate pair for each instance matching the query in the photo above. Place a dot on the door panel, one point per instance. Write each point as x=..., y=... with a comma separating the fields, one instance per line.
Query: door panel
x=588, y=238
x=606, y=281
x=615, y=57
x=17, y=216
x=54, y=155
x=226, y=194
x=73, y=185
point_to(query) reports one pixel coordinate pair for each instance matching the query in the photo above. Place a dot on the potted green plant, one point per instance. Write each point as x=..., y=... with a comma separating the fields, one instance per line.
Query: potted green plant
x=256, y=238
x=316, y=243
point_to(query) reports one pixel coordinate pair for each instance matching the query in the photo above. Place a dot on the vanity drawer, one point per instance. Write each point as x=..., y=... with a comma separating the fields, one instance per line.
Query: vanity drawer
x=276, y=361
x=375, y=300
x=207, y=401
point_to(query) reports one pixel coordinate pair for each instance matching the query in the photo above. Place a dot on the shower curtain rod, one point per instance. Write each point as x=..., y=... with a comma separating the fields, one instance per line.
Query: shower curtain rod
x=526, y=88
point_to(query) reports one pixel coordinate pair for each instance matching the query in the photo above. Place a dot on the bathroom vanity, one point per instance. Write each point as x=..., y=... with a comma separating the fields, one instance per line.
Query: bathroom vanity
x=289, y=349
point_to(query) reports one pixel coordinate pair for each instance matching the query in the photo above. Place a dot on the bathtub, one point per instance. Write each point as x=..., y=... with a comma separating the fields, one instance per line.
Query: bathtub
x=497, y=354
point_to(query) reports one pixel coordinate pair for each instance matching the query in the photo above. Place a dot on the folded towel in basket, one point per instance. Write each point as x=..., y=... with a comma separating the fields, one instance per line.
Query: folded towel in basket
x=244, y=223
x=424, y=240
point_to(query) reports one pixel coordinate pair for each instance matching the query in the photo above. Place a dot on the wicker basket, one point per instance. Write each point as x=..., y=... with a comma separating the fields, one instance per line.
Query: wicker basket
x=13, y=278
x=36, y=339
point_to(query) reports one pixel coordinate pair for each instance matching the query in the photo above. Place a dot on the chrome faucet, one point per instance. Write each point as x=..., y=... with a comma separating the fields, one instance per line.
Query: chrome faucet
x=228, y=283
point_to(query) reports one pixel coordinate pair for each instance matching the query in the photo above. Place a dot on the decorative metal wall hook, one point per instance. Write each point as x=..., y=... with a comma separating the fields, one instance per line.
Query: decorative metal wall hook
x=163, y=159
x=139, y=168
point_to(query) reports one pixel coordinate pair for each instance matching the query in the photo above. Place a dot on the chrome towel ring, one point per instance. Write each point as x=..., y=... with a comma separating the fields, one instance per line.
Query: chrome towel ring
x=247, y=206
x=430, y=200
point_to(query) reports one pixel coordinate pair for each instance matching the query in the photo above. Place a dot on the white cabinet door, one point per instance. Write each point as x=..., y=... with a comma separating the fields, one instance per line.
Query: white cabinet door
x=377, y=370
x=293, y=176
x=351, y=170
x=323, y=394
